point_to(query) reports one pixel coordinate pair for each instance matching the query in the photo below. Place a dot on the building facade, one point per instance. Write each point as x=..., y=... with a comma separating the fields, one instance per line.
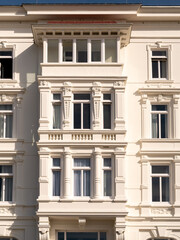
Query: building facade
x=89, y=122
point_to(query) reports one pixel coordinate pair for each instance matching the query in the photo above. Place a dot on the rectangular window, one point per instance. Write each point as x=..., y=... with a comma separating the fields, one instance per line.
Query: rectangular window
x=95, y=50
x=82, y=117
x=107, y=111
x=160, y=183
x=107, y=169
x=6, y=183
x=81, y=235
x=6, y=121
x=81, y=47
x=67, y=50
x=110, y=50
x=6, y=64
x=159, y=64
x=159, y=121
x=53, y=50
x=56, y=172
x=82, y=177
x=56, y=111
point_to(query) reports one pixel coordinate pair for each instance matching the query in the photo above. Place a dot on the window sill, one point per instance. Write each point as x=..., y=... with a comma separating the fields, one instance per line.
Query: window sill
x=82, y=64
x=81, y=199
x=11, y=140
x=159, y=80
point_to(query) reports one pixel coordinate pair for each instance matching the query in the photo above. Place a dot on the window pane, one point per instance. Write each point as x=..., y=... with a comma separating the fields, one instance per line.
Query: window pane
x=6, y=53
x=163, y=69
x=102, y=236
x=81, y=162
x=1, y=189
x=154, y=69
x=107, y=162
x=164, y=126
x=77, y=183
x=1, y=125
x=158, y=53
x=111, y=50
x=155, y=125
x=67, y=50
x=9, y=120
x=6, y=68
x=52, y=50
x=82, y=236
x=6, y=107
x=96, y=50
x=155, y=189
x=159, y=107
x=81, y=96
x=86, y=116
x=107, y=116
x=56, y=183
x=5, y=169
x=160, y=169
x=60, y=236
x=8, y=189
x=81, y=46
x=86, y=183
x=56, y=162
x=56, y=116
x=106, y=96
x=107, y=183
x=77, y=115
x=56, y=96
x=165, y=189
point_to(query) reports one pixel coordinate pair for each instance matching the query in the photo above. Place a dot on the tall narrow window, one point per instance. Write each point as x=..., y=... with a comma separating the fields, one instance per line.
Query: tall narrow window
x=82, y=111
x=67, y=50
x=56, y=111
x=107, y=111
x=159, y=64
x=6, y=64
x=6, y=121
x=56, y=171
x=6, y=182
x=107, y=169
x=160, y=183
x=96, y=50
x=111, y=50
x=81, y=47
x=53, y=50
x=82, y=176
x=159, y=121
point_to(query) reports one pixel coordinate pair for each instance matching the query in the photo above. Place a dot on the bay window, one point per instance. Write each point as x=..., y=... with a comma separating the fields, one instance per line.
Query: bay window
x=6, y=120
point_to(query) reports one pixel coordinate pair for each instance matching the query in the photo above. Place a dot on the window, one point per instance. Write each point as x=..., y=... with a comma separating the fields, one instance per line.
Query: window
x=160, y=183
x=6, y=61
x=67, y=50
x=81, y=47
x=159, y=64
x=6, y=121
x=81, y=235
x=56, y=111
x=107, y=111
x=110, y=50
x=82, y=176
x=159, y=121
x=107, y=169
x=95, y=50
x=6, y=183
x=56, y=172
x=53, y=50
x=82, y=111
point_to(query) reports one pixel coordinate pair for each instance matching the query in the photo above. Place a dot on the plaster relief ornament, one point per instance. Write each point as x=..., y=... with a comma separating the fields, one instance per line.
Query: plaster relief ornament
x=44, y=234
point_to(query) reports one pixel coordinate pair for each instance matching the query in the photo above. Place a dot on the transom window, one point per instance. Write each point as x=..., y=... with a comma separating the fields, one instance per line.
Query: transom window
x=159, y=121
x=6, y=121
x=159, y=64
x=56, y=173
x=107, y=170
x=6, y=64
x=82, y=177
x=160, y=183
x=6, y=183
x=56, y=111
x=81, y=235
x=82, y=50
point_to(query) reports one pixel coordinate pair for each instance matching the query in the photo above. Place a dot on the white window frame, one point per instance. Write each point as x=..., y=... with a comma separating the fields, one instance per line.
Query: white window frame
x=4, y=176
x=108, y=168
x=5, y=113
x=65, y=232
x=59, y=169
x=57, y=103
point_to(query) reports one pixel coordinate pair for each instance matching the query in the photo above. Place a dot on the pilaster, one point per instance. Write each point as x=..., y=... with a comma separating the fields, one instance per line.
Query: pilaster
x=97, y=173
x=176, y=118
x=67, y=173
x=96, y=95
x=44, y=227
x=144, y=114
x=67, y=99
x=119, y=228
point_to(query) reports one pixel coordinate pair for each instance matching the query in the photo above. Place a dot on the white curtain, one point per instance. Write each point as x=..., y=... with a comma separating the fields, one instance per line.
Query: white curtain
x=107, y=183
x=155, y=125
x=9, y=122
x=86, y=183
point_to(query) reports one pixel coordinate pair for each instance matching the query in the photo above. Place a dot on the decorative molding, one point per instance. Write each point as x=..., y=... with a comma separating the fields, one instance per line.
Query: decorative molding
x=6, y=211
x=43, y=233
x=161, y=211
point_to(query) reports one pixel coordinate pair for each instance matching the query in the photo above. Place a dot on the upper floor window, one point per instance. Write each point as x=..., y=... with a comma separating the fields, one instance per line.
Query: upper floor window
x=159, y=121
x=107, y=174
x=159, y=64
x=81, y=235
x=6, y=64
x=107, y=111
x=56, y=111
x=6, y=121
x=6, y=183
x=56, y=172
x=82, y=116
x=160, y=183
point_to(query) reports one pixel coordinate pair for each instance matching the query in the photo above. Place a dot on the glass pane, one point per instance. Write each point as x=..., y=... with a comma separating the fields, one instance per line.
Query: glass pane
x=81, y=96
x=77, y=183
x=96, y=50
x=164, y=126
x=107, y=116
x=165, y=189
x=155, y=69
x=107, y=162
x=60, y=236
x=56, y=183
x=53, y=50
x=158, y=53
x=155, y=189
x=111, y=50
x=6, y=53
x=5, y=169
x=155, y=125
x=82, y=236
x=1, y=189
x=81, y=162
x=86, y=183
x=102, y=236
x=106, y=96
x=86, y=116
x=56, y=96
x=56, y=162
x=56, y=116
x=160, y=169
x=107, y=183
x=81, y=46
x=6, y=107
x=1, y=125
x=8, y=189
x=6, y=68
x=9, y=122
x=159, y=107
x=163, y=69
x=77, y=115
x=67, y=50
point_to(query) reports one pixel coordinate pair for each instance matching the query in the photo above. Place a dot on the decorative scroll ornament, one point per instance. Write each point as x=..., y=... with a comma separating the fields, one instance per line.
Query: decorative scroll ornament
x=44, y=233
x=44, y=83
x=5, y=98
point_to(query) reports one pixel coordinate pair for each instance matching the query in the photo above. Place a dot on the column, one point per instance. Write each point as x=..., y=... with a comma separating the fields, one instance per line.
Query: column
x=44, y=227
x=119, y=118
x=67, y=173
x=67, y=99
x=119, y=174
x=97, y=173
x=176, y=118
x=96, y=96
